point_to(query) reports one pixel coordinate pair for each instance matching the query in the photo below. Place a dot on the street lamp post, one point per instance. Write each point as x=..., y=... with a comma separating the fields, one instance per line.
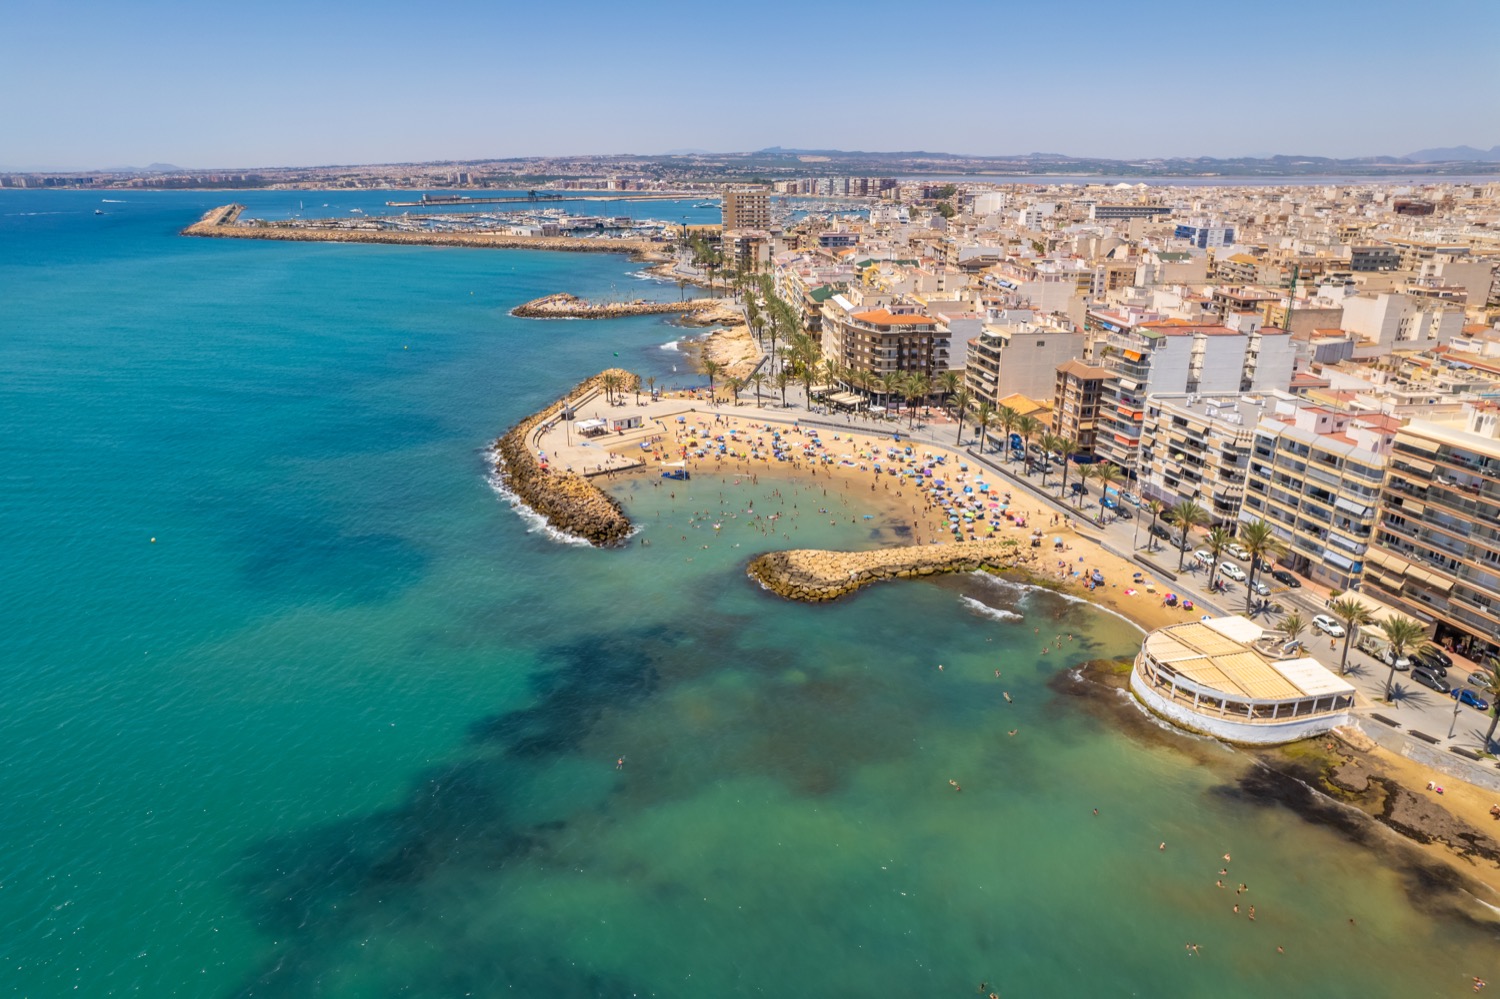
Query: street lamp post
x=1452, y=728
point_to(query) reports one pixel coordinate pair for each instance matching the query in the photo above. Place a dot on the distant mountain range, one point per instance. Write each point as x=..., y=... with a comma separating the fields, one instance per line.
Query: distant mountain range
x=1455, y=154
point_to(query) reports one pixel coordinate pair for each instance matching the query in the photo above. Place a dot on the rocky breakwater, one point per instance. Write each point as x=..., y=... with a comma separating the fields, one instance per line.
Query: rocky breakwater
x=815, y=576
x=569, y=502
x=565, y=306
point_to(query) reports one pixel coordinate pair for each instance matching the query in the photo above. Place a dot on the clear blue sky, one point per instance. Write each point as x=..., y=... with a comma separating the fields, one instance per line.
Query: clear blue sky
x=278, y=83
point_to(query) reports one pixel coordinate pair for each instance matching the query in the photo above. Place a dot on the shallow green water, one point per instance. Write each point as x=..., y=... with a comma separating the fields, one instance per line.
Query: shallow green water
x=348, y=729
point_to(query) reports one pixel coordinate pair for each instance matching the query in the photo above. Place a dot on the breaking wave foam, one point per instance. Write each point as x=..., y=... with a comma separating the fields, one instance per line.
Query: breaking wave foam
x=537, y=524
x=985, y=610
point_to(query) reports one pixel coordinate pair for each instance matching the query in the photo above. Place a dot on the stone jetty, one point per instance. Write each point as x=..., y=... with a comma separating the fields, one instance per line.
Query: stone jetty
x=815, y=576
x=565, y=306
x=223, y=223
x=568, y=501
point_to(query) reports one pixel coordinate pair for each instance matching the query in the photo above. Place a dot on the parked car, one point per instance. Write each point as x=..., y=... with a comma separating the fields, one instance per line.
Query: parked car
x=1466, y=696
x=1238, y=551
x=1161, y=531
x=1435, y=653
x=1262, y=565
x=1203, y=558
x=1328, y=626
x=1479, y=678
x=1131, y=498
x=1233, y=571
x=1285, y=578
x=1429, y=679
x=1260, y=588
x=1425, y=659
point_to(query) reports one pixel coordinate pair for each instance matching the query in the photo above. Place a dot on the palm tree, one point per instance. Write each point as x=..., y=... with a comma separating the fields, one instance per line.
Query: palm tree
x=960, y=401
x=712, y=368
x=1291, y=628
x=1156, y=506
x=737, y=384
x=1187, y=515
x=1355, y=615
x=1050, y=443
x=1492, y=688
x=1065, y=448
x=1107, y=474
x=758, y=379
x=1218, y=540
x=1404, y=635
x=948, y=383
x=782, y=379
x=890, y=384
x=651, y=384
x=1085, y=472
x=1006, y=417
x=1261, y=542
x=982, y=420
x=1027, y=427
x=915, y=387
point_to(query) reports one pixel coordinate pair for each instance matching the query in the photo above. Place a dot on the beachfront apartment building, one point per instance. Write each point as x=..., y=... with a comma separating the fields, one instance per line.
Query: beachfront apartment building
x=746, y=208
x=1436, y=551
x=1077, y=394
x=1010, y=358
x=1176, y=356
x=1196, y=448
x=1315, y=476
x=879, y=341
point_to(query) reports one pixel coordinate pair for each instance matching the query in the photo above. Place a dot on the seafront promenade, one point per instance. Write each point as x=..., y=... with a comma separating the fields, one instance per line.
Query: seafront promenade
x=223, y=223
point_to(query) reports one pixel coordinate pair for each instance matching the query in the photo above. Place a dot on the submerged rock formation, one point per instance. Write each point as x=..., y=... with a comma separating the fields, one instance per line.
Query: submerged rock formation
x=814, y=576
x=568, y=501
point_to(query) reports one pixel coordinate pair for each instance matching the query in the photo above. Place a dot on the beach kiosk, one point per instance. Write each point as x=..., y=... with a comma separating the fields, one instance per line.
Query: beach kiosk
x=591, y=428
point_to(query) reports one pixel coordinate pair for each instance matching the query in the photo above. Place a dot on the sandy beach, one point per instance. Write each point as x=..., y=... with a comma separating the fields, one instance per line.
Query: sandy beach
x=847, y=460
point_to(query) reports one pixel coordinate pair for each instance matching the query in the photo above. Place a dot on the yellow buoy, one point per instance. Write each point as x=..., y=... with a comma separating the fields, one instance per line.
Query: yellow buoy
x=153, y=541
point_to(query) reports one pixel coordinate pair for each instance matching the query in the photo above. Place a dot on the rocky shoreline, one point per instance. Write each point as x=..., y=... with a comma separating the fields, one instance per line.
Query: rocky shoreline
x=1338, y=781
x=816, y=576
x=569, y=502
x=222, y=223
x=565, y=306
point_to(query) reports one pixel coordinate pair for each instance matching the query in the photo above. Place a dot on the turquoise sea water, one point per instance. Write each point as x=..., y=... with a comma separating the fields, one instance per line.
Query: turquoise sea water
x=348, y=729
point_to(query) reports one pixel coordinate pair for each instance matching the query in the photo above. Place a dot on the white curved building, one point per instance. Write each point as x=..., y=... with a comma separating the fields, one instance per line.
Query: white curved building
x=1216, y=677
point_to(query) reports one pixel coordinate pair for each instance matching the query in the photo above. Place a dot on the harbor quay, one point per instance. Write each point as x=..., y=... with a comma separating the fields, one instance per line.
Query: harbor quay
x=223, y=223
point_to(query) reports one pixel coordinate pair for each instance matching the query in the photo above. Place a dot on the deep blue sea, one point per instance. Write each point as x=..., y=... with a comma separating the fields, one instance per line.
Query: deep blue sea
x=296, y=705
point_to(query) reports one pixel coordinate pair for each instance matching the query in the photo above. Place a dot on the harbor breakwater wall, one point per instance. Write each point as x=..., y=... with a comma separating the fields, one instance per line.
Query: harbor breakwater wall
x=565, y=306
x=568, y=501
x=222, y=223
x=814, y=576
